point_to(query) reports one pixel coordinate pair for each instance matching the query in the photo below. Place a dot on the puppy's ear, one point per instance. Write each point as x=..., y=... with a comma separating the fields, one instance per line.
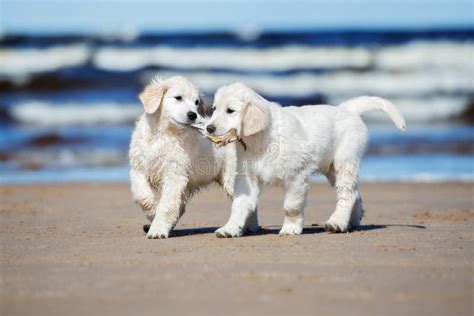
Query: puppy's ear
x=202, y=106
x=152, y=96
x=256, y=116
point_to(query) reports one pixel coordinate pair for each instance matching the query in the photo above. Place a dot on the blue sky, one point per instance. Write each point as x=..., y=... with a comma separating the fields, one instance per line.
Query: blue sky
x=110, y=16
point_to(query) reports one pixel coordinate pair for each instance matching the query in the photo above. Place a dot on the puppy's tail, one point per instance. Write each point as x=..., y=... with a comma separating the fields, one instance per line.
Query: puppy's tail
x=365, y=104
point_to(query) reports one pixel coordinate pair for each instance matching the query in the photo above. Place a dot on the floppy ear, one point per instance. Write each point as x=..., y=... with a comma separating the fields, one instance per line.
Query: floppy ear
x=152, y=96
x=256, y=116
x=202, y=106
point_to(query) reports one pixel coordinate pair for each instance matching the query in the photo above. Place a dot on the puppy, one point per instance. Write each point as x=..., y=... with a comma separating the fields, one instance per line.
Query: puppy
x=285, y=145
x=167, y=155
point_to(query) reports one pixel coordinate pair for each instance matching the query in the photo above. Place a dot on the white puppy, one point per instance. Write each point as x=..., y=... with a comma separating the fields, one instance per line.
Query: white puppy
x=285, y=145
x=167, y=155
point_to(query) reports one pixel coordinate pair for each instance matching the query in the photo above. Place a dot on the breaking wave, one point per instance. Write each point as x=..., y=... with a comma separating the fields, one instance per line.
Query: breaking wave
x=18, y=63
x=341, y=83
x=41, y=113
x=50, y=114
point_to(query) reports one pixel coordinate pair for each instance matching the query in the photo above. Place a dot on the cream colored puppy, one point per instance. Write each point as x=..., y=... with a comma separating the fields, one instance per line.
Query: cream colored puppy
x=168, y=156
x=285, y=145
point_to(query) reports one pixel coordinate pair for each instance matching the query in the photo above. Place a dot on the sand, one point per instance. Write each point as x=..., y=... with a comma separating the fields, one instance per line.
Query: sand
x=79, y=249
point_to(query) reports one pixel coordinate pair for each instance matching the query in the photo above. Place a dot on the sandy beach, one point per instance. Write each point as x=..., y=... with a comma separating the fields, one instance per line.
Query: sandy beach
x=77, y=249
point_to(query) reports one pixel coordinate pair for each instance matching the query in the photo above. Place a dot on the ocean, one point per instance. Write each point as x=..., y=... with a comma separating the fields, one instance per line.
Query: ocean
x=68, y=102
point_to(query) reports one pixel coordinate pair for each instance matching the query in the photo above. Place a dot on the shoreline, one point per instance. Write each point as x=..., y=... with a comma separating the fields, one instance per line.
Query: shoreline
x=315, y=180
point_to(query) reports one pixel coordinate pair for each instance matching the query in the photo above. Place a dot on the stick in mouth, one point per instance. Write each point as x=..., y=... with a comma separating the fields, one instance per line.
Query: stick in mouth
x=222, y=140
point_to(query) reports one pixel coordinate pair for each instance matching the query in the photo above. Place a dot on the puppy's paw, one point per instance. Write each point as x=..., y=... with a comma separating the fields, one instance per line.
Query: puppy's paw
x=229, y=231
x=157, y=232
x=336, y=225
x=291, y=229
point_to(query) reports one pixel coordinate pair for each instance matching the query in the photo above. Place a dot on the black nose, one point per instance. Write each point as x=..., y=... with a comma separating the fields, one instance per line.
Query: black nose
x=210, y=129
x=192, y=115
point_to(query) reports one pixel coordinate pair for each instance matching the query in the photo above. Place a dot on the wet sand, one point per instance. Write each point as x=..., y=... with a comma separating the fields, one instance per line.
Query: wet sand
x=79, y=249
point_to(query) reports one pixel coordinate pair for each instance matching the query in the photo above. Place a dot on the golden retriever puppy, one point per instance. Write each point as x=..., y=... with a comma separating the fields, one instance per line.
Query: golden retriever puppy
x=169, y=157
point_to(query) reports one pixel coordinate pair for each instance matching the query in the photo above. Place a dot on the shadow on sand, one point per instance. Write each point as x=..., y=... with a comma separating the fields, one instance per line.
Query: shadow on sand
x=186, y=231
x=273, y=229
x=374, y=227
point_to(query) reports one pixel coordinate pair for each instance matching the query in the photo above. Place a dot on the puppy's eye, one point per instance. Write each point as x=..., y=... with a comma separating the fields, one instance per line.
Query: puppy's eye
x=179, y=98
x=196, y=102
x=230, y=111
x=213, y=108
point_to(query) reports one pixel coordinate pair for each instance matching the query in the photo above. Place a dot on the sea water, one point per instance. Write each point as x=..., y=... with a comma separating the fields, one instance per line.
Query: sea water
x=68, y=103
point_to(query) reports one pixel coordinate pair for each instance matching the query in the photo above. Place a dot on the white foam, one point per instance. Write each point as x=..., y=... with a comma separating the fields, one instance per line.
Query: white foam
x=446, y=56
x=421, y=110
x=418, y=55
x=343, y=83
x=51, y=114
x=18, y=64
x=248, y=59
x=408, y=91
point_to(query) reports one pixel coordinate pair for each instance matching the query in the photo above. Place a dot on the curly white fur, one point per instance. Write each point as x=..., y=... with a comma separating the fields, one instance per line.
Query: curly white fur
x=170, y=158
x=285, y=145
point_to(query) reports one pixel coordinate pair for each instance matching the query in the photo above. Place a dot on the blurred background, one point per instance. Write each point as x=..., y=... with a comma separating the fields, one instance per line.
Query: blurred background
x=70, y=72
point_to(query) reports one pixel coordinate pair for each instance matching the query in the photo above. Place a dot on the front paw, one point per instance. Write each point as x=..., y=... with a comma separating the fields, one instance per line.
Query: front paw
x=157, y=232
x=291, y=229
x=229, y=231
x=336, y=225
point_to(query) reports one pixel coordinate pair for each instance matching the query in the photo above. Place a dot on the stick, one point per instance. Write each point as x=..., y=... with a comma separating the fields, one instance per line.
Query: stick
x=221, y=140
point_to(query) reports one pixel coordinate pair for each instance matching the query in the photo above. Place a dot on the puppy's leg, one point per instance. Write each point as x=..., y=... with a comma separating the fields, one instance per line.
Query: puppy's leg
x=294, y=204
x=330, y=174
x=245, y=203
x=143, y=193
x=357, y=213
x=251, y=225
x=169, y=208
x=182, y=210
x=347, y=196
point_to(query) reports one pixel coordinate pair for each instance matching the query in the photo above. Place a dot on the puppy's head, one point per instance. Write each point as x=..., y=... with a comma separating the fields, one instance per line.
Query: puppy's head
x=176, y=100
x=238, y=107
